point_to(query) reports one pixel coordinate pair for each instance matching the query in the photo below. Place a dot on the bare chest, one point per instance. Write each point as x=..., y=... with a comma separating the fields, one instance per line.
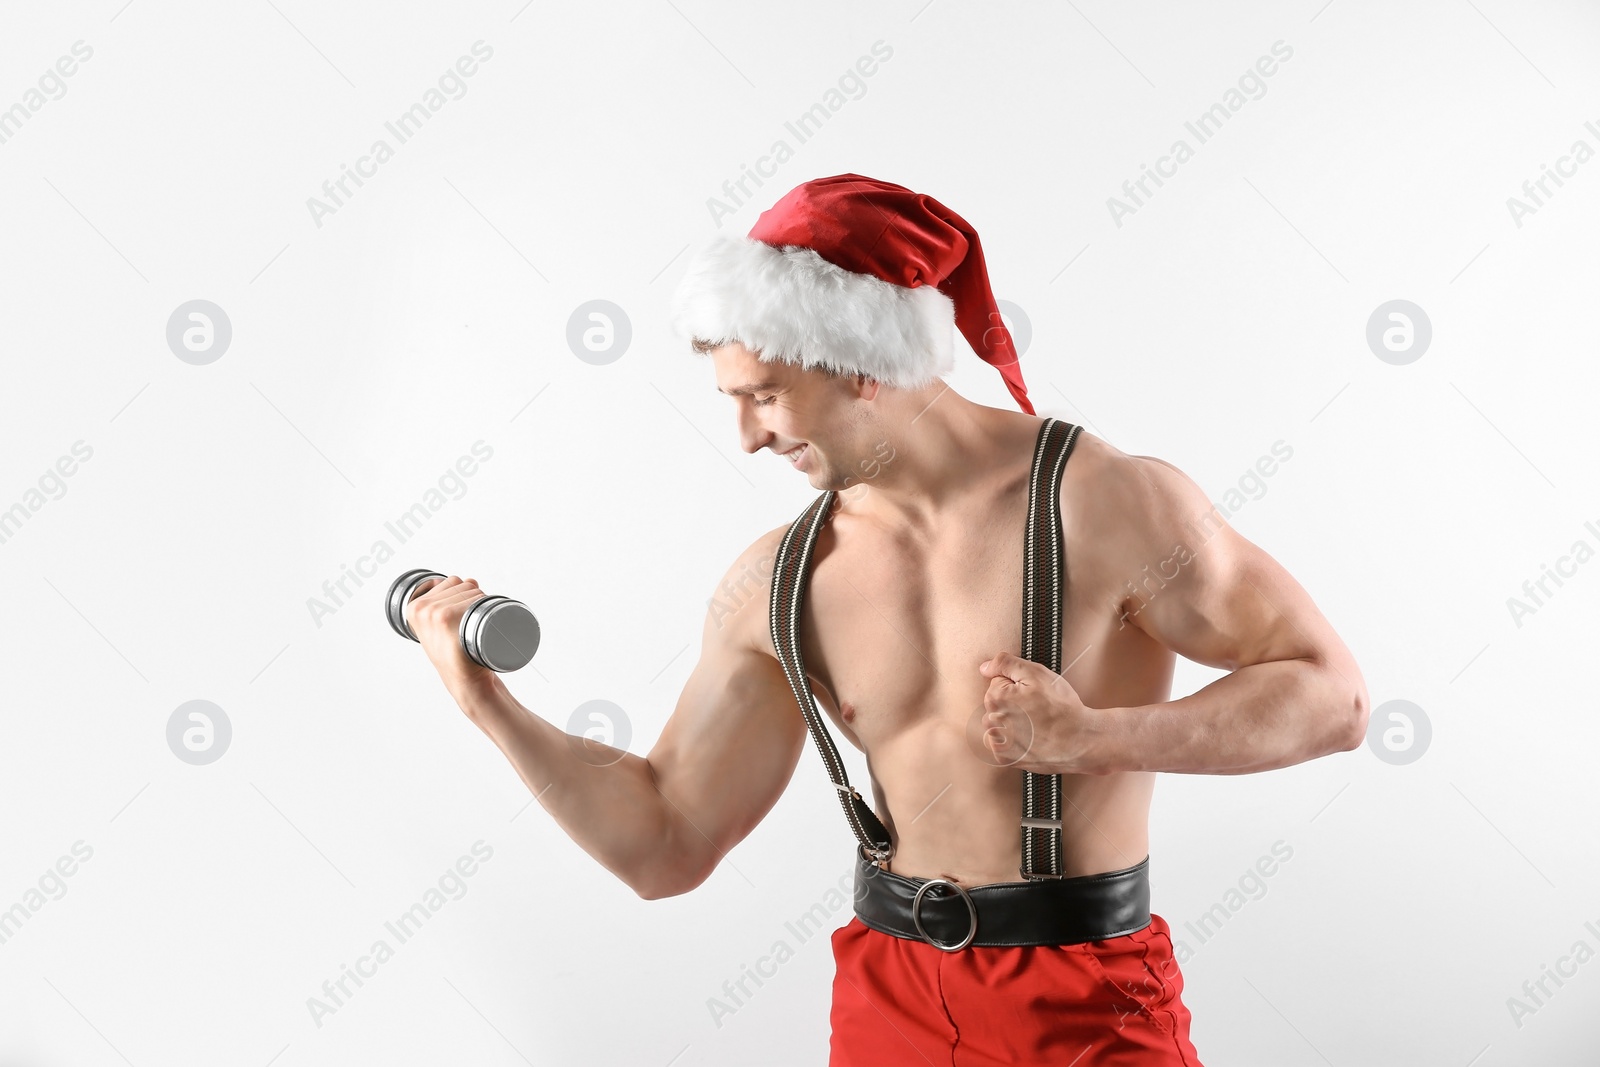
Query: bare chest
x=895, y=625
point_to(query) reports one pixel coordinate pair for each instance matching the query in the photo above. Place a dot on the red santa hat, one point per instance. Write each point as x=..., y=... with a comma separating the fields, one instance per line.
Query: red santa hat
x=855, y=275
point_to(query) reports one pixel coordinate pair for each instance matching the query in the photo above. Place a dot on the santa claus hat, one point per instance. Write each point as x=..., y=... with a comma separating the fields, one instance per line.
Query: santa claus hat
x=854, y=275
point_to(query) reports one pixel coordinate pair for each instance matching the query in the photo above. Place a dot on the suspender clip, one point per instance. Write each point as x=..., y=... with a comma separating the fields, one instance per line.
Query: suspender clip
x=879, y=857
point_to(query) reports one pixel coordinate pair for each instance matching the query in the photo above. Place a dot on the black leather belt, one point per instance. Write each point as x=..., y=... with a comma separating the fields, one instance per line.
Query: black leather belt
x=1052, y=911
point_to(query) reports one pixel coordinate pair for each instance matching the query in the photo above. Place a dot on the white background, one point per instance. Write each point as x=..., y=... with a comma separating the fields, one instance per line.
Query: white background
x=431, y=310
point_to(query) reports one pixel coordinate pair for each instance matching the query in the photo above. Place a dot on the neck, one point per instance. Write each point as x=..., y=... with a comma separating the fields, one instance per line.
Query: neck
x=946, y=450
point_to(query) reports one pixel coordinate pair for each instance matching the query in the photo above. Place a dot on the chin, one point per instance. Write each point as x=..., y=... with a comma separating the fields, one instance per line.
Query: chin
x=823, y=480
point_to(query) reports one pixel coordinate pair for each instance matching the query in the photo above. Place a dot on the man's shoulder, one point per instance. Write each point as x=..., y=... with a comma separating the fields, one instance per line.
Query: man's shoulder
x=1119, y=508
x=741, y=603
x=1121, y=488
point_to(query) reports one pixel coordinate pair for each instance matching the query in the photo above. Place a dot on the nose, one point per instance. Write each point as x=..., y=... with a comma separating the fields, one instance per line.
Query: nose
x=752, y=438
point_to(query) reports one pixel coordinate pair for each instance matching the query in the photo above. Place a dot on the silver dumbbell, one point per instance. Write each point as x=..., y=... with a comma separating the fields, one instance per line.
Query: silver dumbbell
x=496, y=632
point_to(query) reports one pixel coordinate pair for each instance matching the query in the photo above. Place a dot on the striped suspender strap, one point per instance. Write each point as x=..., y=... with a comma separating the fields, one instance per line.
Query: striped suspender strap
x=1043, y=577
x=789, y=573
x=1043, y=573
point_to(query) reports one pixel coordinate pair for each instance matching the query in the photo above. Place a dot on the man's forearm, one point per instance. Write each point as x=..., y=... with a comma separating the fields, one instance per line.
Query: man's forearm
x=1257, y=718
x=606, y=800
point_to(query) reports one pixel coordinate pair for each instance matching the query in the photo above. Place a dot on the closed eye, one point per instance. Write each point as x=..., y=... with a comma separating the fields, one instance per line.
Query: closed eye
x=763, y=403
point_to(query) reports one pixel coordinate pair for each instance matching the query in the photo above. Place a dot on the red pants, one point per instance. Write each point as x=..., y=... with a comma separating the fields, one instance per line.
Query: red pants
x=1112, y=1003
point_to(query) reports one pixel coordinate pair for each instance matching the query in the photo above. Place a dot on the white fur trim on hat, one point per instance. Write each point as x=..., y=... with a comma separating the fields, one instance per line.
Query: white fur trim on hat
x=793, y=306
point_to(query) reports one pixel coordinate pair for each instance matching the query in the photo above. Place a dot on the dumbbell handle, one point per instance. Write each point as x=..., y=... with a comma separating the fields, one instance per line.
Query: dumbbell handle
x=496, y=632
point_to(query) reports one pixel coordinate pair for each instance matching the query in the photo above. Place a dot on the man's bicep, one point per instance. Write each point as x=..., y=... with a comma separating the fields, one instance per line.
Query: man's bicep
x=731, y=744
x=1204, y=591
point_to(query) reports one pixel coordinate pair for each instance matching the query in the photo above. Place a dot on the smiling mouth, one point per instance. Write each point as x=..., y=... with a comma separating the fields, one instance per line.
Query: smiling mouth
x=794, y=455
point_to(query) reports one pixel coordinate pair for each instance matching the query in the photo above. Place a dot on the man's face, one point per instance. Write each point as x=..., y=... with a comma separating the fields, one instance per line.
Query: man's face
x=820, y=422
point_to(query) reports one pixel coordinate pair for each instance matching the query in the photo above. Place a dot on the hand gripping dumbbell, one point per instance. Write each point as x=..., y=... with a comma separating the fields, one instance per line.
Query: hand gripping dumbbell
x=496, y=632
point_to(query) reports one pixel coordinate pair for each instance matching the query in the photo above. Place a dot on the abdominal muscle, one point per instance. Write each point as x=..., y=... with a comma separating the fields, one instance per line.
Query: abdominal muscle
x=951, y=815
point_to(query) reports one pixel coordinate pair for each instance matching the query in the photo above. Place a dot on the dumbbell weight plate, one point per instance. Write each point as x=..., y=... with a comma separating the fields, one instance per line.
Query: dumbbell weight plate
x=499, y=633
x=467, y=633
x=401, y=591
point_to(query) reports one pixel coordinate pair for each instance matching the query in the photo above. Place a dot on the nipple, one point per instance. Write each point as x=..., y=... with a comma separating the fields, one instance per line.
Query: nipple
x=847, y=711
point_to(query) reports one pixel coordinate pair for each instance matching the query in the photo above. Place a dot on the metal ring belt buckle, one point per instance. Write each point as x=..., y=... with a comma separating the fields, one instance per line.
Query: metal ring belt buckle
x=972, y=910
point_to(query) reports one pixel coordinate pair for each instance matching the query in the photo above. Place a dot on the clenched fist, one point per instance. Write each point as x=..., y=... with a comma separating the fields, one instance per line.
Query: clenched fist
x=435, y=617
x=1035, y=721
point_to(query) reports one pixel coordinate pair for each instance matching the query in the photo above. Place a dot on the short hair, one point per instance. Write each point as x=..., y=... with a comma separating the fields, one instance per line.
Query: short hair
x=702, y=346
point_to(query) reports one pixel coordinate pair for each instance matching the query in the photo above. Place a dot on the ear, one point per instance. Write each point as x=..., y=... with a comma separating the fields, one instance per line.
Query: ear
x=866, y=386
